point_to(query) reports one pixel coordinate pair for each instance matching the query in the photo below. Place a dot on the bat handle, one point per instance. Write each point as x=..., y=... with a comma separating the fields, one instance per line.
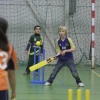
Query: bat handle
x=57, y=56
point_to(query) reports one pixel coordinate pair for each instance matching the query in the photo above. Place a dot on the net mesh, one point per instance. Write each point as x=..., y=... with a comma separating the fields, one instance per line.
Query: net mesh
x=23, y=15
x=80, y=30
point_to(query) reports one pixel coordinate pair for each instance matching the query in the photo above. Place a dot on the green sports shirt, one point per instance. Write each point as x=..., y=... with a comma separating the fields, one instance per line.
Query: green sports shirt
x=32, y=42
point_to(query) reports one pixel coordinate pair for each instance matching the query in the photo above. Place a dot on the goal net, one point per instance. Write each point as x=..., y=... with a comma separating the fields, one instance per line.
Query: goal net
x=23, y=15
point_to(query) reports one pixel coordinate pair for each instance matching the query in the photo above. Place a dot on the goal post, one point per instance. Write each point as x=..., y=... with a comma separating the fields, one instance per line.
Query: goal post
x=93, y=32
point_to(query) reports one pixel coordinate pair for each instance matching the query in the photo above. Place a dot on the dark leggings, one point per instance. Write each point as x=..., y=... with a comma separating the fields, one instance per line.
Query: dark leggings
x=31, y=62
x=4, y=95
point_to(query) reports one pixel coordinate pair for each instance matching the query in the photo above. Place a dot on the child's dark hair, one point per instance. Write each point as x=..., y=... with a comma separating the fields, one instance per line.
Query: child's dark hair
x=3, y=37
x=3, y=41
x=37, y=26
x=3, y=25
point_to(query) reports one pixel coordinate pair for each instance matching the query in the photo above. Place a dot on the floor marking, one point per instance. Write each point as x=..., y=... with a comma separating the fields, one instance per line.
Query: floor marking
x=96, y=73
x=61, y=82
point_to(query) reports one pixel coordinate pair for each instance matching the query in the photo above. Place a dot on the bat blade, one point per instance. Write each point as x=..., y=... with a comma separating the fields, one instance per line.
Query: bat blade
x=41, y=64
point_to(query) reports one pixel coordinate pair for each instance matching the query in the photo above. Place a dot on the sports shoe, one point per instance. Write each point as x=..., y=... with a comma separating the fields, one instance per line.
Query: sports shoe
x=26, y=73
x=81, y=84
x=47, y=83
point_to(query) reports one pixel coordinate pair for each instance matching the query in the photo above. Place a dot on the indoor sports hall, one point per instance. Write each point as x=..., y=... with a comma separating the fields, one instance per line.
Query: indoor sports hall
x=82, y=19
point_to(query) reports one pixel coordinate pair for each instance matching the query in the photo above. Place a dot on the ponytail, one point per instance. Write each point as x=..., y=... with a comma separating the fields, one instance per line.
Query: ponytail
x=3, y=41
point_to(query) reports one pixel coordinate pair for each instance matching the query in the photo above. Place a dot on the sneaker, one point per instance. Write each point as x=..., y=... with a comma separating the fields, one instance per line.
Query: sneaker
x=26, y=73
x=81, y=84
x=47, y=84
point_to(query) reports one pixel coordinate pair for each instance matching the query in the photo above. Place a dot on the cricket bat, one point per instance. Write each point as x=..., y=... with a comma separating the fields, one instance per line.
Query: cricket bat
x=43, y=63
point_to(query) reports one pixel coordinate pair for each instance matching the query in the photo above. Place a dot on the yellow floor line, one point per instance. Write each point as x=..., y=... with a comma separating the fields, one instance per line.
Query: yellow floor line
x=96, y=73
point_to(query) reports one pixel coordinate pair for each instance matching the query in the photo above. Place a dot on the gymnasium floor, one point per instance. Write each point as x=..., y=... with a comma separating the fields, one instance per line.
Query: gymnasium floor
x=59, y=89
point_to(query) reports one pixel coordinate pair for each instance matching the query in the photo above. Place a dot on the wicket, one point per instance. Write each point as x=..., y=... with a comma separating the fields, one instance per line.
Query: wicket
x=79, y=94
x=40, y=78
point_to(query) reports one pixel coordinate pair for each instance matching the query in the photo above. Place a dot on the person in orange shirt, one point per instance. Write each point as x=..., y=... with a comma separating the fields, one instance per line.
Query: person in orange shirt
x=4, y=56
x=11, y=64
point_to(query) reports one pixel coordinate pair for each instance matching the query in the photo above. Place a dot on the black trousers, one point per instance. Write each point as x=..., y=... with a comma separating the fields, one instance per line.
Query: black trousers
x=31, y=62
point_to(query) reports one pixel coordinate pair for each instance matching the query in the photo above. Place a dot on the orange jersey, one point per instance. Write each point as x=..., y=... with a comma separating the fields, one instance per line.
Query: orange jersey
x=13, y=56
x=4, y=58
